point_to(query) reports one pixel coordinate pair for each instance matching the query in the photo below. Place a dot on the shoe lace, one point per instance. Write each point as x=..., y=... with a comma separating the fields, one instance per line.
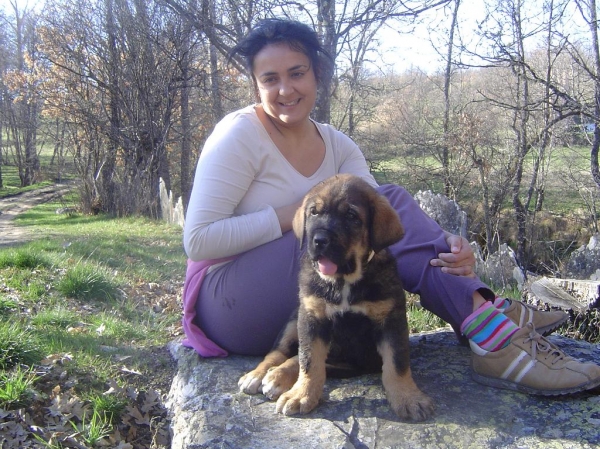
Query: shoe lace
x=543, y=346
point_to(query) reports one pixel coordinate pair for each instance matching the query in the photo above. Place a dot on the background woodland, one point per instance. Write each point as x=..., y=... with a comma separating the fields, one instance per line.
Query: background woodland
x=122, y=93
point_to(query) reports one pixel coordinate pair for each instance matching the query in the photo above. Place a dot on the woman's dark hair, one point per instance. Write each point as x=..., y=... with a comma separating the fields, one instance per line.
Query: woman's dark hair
x=298, y=36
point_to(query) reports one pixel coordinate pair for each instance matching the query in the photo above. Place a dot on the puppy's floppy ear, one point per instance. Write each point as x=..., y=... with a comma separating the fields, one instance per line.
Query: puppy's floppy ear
x=298, y=222
x=386, y=228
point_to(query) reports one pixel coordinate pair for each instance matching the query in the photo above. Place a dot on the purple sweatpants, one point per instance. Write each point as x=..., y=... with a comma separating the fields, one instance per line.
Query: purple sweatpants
x=243, y=305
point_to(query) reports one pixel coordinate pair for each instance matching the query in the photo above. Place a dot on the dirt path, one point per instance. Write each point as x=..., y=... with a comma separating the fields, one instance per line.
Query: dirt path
x=11, y=206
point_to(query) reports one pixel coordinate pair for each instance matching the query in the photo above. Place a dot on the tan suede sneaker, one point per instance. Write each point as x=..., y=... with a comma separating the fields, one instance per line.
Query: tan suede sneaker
x=531, y=364
x=544, y=322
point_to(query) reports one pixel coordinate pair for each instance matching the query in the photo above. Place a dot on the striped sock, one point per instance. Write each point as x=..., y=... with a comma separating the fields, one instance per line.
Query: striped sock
x=488, y=328
x=501, y=304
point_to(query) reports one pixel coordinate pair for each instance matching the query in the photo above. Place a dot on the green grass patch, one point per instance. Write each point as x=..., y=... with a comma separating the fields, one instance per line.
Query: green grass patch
x=110, y=407
x=23, y=258
x=16, y=388
x=18, y=346
x=7, y=306
x=420, y=319
x=129, y=247
x=50, y=172
x=87, y=282
x=79, y=294
x=92, y=430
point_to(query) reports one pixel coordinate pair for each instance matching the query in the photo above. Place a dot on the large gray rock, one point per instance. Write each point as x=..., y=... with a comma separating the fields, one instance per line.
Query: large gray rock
x=501, y=269
x=584, y=262
x=208, y=411
x=445, y=211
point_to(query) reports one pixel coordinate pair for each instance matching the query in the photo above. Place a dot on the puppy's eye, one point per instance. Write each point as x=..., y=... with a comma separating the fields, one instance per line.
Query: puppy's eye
x=313, y=211
x=352, y=215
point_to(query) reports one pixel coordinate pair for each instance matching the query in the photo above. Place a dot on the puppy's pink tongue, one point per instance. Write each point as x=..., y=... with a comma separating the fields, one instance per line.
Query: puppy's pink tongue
x=327, y=267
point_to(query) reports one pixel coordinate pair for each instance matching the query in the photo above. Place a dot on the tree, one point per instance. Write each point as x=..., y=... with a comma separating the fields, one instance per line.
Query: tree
x=447, y=106
x=21, y=100
x=122, y=65
x=589, y=13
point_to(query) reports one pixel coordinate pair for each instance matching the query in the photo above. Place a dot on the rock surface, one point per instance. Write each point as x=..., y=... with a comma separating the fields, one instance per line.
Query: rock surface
x=445, y=211
x=500, y=269
x=208, y=411
x=584, y=262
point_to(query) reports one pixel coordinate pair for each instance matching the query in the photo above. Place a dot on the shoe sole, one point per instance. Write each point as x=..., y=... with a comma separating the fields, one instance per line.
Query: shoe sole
x=547, y=330
x=508, y=385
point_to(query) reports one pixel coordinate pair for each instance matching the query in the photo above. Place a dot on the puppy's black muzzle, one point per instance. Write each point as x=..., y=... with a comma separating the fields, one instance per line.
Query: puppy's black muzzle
x=321, y=240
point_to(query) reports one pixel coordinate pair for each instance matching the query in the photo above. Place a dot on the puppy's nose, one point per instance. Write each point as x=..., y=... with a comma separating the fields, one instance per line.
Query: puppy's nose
x=321, y=239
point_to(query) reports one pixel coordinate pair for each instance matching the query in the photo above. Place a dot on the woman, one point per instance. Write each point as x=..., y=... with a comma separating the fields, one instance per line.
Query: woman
x=241, y=283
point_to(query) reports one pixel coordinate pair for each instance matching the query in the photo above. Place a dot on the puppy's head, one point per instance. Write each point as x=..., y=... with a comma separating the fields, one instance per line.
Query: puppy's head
x=344, y=220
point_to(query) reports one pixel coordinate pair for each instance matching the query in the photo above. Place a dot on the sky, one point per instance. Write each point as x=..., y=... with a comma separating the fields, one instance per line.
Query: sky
x=416, y=47
x=410, y=49
x=402, y=48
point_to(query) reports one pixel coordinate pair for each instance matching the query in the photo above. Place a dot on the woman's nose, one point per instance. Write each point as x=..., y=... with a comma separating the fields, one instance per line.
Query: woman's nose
x=285, y=87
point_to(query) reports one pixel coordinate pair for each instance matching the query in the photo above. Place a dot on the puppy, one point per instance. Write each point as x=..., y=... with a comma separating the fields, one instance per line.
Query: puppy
x=352, y=313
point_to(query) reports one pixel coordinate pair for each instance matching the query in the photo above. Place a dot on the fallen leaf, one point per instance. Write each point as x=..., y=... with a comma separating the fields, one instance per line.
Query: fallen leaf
x=151, y=400
x=141, y=419
x=60, y=359
x=130, y=371
x=100, y=330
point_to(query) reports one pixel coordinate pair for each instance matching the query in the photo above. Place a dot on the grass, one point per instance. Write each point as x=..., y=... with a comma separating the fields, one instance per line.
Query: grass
x=49, y=174
x=93, y=301
x=87, y=282
x=18, y=345
x=566, y=178
x=16, y=388
x=94, y=430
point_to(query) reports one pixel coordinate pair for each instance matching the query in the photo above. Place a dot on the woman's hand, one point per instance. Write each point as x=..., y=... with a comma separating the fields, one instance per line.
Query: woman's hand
x=460, y=261
x=286, y=214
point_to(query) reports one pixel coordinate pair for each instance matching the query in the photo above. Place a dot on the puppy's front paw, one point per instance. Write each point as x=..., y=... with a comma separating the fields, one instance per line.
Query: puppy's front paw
x=414, y=406
x=280, y=379
x=295, y=401
x=251, y=383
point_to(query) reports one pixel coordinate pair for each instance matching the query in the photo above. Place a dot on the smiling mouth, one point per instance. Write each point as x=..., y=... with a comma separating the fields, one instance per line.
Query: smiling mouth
x=291, y=103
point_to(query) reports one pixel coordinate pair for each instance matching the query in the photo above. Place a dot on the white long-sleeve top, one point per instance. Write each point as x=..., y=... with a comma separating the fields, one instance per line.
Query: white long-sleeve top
x=242, y=177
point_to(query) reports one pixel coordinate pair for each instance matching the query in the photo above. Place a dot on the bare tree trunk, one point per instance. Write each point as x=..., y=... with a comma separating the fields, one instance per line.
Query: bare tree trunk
x=106, y=194
x=326, y=30
x=520, y=121
x=535, y=190
x=26, y=107
x=59, y=146
x=1, y=137
x=594, y=166
x=215, y=73
x=186, y=129
x=447, y=87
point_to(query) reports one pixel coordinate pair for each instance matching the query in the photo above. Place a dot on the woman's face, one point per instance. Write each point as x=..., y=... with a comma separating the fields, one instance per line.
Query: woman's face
x=286, y=84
